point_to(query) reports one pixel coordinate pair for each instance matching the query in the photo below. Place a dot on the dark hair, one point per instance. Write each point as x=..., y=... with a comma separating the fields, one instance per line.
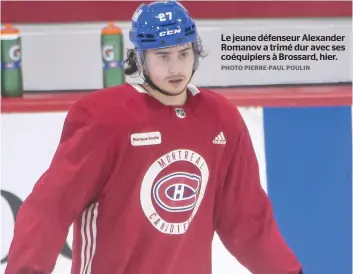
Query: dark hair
x=130, y=62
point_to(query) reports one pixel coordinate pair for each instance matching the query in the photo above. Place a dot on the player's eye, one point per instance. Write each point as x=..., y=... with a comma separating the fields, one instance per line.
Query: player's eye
x=164, y=57
x=184, y=54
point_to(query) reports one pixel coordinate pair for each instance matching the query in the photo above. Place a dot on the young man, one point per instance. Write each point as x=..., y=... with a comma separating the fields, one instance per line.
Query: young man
x=142, y=175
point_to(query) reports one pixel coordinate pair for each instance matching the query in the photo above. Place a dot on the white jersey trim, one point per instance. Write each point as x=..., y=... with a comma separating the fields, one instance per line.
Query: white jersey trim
x=193, y=89
x=139, y=88
x=89, y=238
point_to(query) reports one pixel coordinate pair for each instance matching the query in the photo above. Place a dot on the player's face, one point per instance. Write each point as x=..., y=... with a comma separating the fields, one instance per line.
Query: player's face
x=171, y=68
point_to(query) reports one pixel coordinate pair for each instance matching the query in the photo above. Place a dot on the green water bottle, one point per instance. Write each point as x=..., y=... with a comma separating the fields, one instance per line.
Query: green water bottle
x=112, y=46
x=11, y=67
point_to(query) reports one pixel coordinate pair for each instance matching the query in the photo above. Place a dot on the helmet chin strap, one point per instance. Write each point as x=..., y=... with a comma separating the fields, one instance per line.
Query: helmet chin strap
x=149, y=82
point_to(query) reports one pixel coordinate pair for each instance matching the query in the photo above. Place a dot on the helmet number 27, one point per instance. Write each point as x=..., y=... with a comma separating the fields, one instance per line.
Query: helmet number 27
x=162, y=16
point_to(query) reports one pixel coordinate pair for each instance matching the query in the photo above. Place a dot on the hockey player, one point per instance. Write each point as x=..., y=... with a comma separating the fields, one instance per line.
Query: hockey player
x=148, y=173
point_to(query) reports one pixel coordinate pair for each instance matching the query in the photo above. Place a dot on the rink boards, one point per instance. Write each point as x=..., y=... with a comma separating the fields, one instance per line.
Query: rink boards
x=305, y=157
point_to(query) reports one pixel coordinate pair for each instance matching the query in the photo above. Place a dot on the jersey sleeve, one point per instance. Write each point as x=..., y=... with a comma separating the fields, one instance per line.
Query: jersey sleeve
x=246, y=223
x=81, y=164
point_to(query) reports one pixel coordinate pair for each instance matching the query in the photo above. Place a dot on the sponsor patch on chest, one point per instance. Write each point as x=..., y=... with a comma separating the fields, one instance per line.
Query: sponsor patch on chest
x=146, y=138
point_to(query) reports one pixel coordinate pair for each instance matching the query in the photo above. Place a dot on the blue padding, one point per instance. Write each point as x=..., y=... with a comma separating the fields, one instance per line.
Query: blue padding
x=309, y=176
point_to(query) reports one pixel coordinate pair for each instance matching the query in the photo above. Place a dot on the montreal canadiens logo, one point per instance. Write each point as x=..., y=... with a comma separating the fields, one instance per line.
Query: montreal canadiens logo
x=173, y=194
x=172, y=190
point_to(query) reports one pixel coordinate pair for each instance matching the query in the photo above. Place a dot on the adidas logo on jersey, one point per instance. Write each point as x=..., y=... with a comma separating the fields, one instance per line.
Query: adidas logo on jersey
x=220, y=139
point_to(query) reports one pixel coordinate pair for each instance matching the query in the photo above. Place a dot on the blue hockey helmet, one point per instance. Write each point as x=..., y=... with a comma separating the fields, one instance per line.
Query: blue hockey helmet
x=161, y=25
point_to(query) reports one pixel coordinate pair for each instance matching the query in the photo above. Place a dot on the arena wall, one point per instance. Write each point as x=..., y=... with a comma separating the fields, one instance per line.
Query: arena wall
x=68, y=56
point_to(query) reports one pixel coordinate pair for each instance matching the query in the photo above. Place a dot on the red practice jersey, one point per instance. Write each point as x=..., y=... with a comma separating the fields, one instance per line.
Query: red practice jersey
x=146, y=186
